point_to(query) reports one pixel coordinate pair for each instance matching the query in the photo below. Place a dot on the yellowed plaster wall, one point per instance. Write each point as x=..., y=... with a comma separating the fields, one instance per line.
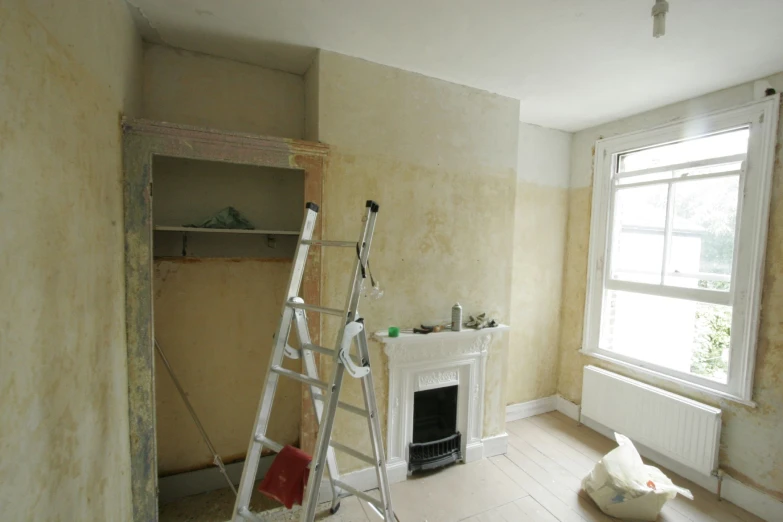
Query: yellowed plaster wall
x=311, y=100
x=441, y=160
x=206, y=91
x=216, y=319
x=541, y=211
x=68, y=70
x=751, y=441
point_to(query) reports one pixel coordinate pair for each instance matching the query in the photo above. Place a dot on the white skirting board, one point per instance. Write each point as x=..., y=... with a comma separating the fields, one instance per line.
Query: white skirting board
x=495, y=445
x=567, y=408
x=752, y=500
x=749, y=499
x=190, y=483
x=397, y=472
x=362, y=479
x=523, y=410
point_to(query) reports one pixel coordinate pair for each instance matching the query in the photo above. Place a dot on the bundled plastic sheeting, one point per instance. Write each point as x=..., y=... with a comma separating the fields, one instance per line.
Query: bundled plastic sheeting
x=228, y=218
x=624, y=487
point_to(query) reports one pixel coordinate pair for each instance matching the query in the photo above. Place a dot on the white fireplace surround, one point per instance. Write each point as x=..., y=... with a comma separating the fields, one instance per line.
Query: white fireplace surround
x=424, y=362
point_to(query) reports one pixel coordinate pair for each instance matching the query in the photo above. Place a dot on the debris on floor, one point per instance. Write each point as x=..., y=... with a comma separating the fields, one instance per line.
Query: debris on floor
x=624, y=487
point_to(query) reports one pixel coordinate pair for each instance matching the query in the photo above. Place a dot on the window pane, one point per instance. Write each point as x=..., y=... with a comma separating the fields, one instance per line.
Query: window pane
x=702, y=249
x=713, y=146
x=692, y=172
x=685, y=336
x=640, y=218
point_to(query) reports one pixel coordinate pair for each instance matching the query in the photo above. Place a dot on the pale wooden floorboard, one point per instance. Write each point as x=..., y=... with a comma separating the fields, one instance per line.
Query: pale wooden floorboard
x=719, y=509
x=534, y=511
x=538, y=480
x=562, y=465
x=569, y=458
x=564, y=489
x=596, y=445
x=525, y=509
x=593, y=445
x=541, y=494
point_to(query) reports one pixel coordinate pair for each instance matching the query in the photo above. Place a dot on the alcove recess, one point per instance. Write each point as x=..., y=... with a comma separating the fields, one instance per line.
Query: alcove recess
x=189, y=191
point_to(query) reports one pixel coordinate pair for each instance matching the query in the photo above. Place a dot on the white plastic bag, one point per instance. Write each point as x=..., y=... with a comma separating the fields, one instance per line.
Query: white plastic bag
x=624, y=487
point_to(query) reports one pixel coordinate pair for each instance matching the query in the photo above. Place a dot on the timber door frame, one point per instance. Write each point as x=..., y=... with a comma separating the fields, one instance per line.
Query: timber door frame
x=142, y=141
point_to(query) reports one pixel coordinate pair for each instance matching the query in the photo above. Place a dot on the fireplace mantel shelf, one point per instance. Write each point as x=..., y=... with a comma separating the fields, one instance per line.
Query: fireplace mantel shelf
x=466, y=333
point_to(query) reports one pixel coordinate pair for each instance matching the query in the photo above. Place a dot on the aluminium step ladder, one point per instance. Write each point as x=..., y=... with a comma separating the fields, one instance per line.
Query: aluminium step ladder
x=325, y=396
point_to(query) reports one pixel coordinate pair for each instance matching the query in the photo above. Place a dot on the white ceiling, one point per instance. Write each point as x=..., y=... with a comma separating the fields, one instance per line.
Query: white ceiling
x=572, y=63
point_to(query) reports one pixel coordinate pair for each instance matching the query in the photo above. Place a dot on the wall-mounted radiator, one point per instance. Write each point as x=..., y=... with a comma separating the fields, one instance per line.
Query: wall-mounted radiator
x=679, y=428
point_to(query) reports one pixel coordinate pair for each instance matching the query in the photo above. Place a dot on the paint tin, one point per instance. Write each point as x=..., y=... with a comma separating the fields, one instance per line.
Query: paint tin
x=456, y=318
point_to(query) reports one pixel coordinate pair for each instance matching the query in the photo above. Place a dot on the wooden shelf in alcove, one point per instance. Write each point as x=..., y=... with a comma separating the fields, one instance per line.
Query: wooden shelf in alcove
x=227, y=230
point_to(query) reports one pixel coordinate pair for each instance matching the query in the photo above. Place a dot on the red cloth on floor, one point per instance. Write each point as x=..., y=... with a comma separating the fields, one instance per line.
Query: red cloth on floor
x=287, y=477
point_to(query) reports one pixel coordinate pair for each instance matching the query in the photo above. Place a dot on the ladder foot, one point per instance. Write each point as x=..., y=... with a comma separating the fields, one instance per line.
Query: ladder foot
x=334, y=508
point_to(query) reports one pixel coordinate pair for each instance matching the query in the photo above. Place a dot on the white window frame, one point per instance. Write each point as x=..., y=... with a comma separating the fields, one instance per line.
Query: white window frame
x=749, y=247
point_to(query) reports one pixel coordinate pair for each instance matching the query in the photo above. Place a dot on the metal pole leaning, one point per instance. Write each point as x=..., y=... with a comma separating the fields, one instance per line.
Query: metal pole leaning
x=216, y=458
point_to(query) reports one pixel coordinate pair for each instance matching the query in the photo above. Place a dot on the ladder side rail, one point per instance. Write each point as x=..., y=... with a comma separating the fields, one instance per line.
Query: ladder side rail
x=311, y=369
x=374, y=425
x=368, y=386
x=322, y=445
x=253, y=455
x=332, y=394
x=352, y=299
x=300, y=256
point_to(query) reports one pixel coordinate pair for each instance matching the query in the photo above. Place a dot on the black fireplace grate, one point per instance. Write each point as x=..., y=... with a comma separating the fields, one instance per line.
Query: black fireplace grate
x=435, y=454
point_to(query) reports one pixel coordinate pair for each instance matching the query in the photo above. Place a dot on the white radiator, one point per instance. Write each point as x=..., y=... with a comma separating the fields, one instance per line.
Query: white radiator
x=679, y=428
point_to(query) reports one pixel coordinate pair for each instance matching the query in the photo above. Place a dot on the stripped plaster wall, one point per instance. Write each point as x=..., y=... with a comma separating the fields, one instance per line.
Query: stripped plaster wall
x=217, y=332
x=68, y=71
x=440, y=159
x=216, y=318
x=311, y=99
x=206, y=91
x=751, y=445
x=541, y=211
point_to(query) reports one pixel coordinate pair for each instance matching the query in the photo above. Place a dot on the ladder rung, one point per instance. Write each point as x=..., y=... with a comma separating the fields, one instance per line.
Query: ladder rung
x=319, y=349
x=269, y=443
x=314, y=308
x=347, y=407
x=353, y=453
x=361, y=494
x=299, y=377
x=323, y=242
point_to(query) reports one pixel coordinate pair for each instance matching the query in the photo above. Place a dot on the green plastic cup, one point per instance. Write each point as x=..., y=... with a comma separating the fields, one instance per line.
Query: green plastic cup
x=394, y=331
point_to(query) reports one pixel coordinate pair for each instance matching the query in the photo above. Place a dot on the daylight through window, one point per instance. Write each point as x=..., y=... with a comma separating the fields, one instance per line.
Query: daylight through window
x=676, y=249
x=675, y=215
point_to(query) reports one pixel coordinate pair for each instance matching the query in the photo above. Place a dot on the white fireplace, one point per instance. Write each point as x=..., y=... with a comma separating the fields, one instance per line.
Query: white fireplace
x=420, y=362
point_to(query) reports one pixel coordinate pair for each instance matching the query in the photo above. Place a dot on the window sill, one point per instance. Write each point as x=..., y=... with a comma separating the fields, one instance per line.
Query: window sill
x=659, y=375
